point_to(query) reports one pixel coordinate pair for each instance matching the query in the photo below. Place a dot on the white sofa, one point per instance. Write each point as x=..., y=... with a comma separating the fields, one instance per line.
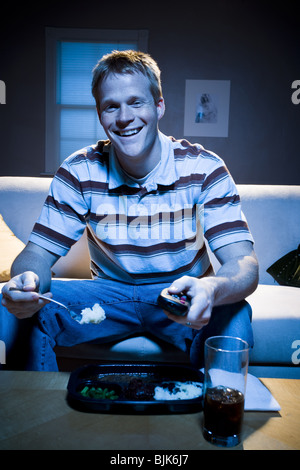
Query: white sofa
x=273, y=213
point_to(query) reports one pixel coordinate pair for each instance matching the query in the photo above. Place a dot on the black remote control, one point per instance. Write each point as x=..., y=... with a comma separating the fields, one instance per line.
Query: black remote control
x=177, y=304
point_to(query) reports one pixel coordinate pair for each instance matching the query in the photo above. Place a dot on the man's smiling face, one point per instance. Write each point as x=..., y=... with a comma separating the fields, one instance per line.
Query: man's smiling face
x=130, y=118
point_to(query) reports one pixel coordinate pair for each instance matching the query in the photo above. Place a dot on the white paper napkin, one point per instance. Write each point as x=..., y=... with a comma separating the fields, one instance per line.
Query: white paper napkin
x=258, y=397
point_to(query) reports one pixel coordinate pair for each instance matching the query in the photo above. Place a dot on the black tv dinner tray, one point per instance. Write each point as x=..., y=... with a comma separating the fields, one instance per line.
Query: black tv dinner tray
x=129, y=388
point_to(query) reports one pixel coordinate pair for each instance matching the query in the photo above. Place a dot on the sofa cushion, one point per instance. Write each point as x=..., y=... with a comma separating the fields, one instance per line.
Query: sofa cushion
x=273, y=214
x=21, y=202
x=276, y=323
x=10, y=247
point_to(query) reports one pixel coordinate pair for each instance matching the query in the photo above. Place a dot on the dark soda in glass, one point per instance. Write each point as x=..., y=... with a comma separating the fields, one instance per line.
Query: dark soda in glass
x=223, y=415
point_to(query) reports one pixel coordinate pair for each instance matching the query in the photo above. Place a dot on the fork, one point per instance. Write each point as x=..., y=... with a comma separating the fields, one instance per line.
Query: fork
x=74, y=315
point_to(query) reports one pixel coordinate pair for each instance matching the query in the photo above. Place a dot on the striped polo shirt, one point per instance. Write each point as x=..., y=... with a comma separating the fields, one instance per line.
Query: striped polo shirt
x=145, y=231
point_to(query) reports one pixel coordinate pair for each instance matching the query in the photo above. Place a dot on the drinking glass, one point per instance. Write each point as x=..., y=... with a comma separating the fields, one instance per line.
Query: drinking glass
x=226, y=368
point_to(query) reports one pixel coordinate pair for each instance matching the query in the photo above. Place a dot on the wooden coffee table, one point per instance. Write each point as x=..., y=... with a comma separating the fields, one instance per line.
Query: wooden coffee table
x=34, y=414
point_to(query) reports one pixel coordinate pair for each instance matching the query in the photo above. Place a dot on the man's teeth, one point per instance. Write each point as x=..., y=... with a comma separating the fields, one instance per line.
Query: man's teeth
x=128, y=132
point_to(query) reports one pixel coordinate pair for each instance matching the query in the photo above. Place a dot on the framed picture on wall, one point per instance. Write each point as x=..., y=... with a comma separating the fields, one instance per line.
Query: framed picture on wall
x=206, y=110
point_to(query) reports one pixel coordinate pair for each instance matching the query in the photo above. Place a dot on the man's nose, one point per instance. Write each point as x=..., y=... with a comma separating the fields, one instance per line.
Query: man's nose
x=125, y=116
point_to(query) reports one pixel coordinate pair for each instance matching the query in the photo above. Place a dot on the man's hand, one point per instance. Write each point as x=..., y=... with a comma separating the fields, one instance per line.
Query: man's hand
x=31, y=274
x=201, y=293
x=20, y=295
x=236, y=279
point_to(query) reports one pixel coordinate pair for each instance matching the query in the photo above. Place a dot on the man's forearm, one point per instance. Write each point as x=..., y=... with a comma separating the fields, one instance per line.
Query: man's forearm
x=235, y=280
x=36, y=260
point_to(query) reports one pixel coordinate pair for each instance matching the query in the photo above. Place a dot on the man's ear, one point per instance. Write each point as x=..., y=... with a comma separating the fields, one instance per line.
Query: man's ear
x=160, y=108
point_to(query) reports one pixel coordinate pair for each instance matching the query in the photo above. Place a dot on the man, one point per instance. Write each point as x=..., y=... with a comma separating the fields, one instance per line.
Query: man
x=146, y=200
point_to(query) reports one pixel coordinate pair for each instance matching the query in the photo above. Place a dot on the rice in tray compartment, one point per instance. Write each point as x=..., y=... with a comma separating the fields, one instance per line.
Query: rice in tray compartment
x=92, y=315
x=178, y=391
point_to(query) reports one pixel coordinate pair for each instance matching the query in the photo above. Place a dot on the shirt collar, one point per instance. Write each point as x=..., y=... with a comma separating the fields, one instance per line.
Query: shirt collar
x=165, y=175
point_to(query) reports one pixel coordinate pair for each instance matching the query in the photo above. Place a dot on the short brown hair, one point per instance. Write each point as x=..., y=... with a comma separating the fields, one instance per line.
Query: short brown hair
x=129, y=61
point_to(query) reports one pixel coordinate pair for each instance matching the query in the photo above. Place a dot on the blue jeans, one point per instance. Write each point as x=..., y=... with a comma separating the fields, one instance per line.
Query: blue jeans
x=129, y=309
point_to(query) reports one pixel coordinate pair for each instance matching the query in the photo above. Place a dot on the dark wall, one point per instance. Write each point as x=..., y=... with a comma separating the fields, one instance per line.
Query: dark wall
x=254, y=44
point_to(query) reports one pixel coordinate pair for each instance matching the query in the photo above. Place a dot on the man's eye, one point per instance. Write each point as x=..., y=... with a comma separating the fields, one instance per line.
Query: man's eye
x=136, y=103
x=110, y=108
